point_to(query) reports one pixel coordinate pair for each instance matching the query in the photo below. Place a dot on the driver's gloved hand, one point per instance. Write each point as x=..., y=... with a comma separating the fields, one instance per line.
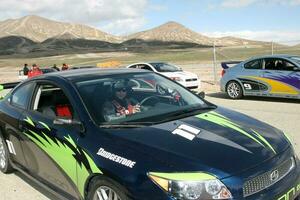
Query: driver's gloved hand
x=136, y=108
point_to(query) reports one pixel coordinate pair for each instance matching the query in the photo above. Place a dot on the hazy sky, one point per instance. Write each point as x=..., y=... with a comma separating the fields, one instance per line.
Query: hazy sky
x=276, y=20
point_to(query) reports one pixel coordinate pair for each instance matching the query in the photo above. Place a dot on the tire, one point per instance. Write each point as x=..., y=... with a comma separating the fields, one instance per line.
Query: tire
x=234, y=90
x=5, y=166
x=102, y=186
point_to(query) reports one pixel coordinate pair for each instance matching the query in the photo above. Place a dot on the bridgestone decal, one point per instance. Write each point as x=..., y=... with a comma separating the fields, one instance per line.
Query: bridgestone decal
x=116, y=158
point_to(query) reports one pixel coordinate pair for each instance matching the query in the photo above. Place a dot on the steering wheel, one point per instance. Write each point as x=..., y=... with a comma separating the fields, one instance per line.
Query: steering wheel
x=147, y=99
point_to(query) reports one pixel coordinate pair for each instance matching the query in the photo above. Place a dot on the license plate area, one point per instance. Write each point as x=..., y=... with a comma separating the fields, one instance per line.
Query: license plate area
x=292, y=194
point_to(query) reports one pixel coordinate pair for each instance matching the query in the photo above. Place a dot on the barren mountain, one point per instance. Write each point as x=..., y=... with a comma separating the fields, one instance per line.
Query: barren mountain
x=39, y=29
x=65, y=43
x=234, y=41
x=37, y=34
x=172, y=32
x=15, y=44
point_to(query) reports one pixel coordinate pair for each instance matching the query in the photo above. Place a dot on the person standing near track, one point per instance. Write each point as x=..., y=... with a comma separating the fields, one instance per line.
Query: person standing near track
x=64, y=67
x=25, y=69
x=35, y=71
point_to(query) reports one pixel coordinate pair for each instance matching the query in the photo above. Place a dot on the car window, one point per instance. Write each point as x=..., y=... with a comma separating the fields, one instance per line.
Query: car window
x=286, y=65
x=254, y=64
x=21, y=95
x=165, y=67
x=142, y=84
x=278, y=64
x=48, y=70
x=296, y=59
x=52, y=102
x=146, y=67
x=136, y=97
x=133, y=66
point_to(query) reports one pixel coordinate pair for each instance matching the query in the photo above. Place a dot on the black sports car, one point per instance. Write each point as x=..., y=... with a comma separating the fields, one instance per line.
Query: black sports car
x=133, y=134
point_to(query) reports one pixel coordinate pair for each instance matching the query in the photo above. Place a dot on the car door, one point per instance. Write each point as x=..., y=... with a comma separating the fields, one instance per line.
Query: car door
x=250, y=77
x=50, y=147
x=14, y=106
x=282, y=78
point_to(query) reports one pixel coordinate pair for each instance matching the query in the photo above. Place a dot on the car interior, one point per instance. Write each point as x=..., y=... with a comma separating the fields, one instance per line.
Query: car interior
x=52, y=102
x=141, y=66
x=141, y=91
x=278, y=64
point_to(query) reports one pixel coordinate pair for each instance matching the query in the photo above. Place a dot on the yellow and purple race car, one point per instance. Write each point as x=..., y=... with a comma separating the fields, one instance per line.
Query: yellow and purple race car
x=272, y=76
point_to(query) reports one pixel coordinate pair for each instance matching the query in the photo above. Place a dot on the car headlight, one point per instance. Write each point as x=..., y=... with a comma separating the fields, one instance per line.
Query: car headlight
x=191, y=186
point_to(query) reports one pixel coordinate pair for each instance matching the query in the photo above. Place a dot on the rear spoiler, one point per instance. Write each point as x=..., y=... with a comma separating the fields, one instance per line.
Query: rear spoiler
x=225, y=64
x=4, y=86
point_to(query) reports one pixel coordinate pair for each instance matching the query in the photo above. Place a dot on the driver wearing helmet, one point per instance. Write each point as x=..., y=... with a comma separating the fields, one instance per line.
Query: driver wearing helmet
x=121, y=105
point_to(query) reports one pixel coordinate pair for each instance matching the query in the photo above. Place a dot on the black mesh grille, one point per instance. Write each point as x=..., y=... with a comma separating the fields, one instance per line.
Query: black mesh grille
x=190, y=79
x=267, y=179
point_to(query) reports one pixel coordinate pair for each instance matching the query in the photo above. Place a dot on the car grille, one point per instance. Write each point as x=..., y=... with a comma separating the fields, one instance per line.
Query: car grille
x=267, y=179
x=190, y=79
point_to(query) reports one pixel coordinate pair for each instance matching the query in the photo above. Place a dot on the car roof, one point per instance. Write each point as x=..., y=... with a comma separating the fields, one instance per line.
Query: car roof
x=149, y=62
x=83, y=66
x=89, y=73
x=287, y=56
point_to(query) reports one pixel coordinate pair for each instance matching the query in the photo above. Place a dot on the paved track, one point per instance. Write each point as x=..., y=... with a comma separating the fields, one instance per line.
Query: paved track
x=284, y=114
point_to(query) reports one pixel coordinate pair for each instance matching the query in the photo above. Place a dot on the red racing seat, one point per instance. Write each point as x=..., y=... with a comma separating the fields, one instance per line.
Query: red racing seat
x=63, y=111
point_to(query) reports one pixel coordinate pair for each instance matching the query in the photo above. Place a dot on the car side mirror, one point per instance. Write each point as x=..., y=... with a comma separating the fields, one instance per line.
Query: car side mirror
x=201, y=94
x=296, y=69
x=69, y=122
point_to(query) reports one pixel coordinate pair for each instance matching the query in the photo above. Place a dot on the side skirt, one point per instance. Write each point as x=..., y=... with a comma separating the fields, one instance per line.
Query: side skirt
x=54, y=191
x=273, y=95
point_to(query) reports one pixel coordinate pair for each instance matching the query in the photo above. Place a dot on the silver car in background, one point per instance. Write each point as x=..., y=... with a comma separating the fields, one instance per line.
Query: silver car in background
x=272, y=76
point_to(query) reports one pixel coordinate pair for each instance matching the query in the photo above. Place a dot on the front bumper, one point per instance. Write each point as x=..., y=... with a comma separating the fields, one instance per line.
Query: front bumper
x=191, y=84
x=288, y=188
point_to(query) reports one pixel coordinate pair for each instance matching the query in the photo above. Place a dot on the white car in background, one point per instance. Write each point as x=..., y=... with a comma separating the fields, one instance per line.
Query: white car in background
x=187, y=79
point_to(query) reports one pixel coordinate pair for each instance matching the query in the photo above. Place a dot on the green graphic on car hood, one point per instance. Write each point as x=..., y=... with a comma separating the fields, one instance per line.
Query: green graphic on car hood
x=221, y=120
x=66, y=154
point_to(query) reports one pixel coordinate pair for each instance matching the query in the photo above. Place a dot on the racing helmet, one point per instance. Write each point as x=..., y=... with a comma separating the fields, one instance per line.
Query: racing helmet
x=122, y=85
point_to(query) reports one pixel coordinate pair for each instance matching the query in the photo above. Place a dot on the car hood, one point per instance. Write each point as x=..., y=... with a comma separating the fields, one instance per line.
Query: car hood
x=182, y=74
x=220, y=141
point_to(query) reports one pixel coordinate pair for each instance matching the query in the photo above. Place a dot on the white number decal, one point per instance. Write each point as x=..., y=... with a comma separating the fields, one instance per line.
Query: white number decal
x=247, y=86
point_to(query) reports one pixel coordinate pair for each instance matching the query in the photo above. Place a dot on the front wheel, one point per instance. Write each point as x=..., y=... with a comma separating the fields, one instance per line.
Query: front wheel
x=5, y=165
x=234, y=90
x=105, y=189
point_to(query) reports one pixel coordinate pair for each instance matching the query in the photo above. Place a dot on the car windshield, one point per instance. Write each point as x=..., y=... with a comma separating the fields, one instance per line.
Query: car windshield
x=165, y=67
x=296, y=59
x=137, y=98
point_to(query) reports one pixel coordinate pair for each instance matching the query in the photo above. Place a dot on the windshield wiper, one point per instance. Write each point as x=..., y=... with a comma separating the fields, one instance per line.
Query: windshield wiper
x=120, y=126
x=127, y=125
x=186, y=112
